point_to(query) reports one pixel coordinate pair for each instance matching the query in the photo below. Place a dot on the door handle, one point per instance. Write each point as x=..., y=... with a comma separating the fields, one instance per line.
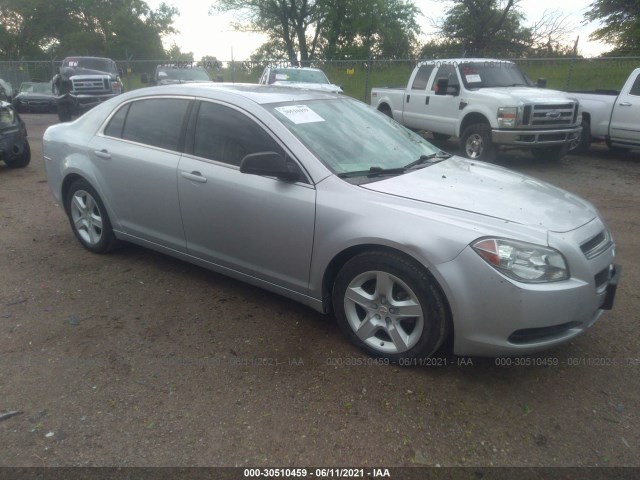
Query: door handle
x=104, y=154
x=625, y=104
x=426, y=100
x=194, y=176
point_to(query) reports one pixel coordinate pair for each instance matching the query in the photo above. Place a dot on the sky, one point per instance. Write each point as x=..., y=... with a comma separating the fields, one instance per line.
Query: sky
x=213, y=35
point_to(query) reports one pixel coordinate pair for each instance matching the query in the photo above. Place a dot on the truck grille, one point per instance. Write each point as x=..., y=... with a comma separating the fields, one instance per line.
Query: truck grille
x=91, y=85
x=550, y=115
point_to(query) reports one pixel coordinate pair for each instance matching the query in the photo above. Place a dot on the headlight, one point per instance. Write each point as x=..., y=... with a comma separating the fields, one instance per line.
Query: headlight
x=507, y=117
x=522, y=261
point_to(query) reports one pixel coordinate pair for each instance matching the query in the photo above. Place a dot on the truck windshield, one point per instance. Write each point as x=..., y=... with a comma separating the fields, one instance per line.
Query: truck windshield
x=350, y=137
x=297, y=75
x=492, y=74
x=184, y=74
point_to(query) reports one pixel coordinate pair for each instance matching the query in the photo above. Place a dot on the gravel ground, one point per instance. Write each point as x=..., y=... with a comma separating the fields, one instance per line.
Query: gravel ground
x=135, y=358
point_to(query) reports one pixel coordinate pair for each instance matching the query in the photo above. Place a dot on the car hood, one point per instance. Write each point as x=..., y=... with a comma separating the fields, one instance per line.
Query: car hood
x=78, y=72
x=34, y=95
x=326, y=87
x=493, y=191
x=528, y=94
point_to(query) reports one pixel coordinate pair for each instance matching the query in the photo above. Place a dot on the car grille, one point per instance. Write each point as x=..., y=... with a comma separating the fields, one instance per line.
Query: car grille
x=91, y=85
x=38, y=103
x=550, y=115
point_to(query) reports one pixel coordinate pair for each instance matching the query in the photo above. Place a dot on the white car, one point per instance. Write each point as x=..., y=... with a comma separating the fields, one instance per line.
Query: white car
x=299, y=77
x=320, y=198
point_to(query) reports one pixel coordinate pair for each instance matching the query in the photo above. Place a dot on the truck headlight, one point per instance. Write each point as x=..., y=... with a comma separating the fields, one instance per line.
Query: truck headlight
x=507, y=117
x=524, y=262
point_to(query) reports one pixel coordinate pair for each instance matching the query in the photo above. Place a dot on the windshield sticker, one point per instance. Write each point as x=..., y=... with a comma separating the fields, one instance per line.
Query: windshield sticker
x=300, y=114
x=282, y=76
x=474, y=78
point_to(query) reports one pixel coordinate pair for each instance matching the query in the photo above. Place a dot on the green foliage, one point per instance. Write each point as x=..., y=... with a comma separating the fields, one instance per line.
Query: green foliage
x=621, y=24
x=113, y=28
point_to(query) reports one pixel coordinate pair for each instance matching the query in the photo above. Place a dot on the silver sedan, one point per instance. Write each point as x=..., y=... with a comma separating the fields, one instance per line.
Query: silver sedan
x=322, y=199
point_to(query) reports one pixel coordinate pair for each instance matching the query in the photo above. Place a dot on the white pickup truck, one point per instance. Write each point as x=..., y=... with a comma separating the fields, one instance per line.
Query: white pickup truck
x=488, y=104
x=612, y=116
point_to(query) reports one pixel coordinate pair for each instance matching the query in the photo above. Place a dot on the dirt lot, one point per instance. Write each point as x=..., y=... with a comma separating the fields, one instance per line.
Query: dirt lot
x=138, y=359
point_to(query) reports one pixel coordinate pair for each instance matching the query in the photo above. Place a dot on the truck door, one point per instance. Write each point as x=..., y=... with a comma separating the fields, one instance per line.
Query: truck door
x=416, y=99
x=625, y=120
x=443, y=112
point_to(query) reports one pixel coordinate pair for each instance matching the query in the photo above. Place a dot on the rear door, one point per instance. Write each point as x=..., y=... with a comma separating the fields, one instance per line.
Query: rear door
x=625, y=120
x=416, y=99
x=136, y=160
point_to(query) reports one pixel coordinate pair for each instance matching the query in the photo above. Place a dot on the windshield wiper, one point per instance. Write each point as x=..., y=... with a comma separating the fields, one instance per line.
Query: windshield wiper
x=374, y=172
x=430, y=159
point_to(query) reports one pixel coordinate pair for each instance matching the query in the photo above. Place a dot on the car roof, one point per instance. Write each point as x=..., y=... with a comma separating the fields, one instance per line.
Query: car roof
x=260, y=94
x=458, y=61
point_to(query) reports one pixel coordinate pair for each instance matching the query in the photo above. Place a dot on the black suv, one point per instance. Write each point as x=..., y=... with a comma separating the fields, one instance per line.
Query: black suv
x=84, y=82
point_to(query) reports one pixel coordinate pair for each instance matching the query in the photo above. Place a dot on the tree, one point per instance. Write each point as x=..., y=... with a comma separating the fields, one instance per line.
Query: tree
x=320, y=29
x=486, y=26
x=621, y=24
x=115, y=28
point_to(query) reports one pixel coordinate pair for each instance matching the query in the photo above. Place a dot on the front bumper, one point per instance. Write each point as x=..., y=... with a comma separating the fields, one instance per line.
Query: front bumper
x=494, y=315
x=535, y=138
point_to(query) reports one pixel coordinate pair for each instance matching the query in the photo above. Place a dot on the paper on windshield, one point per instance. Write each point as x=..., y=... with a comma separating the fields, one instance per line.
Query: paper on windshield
x=300, y=114
x=282, y=76
x=473, y=78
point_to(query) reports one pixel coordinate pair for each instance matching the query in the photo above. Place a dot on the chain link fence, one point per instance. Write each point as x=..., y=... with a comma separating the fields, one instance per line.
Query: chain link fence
x=357, y=77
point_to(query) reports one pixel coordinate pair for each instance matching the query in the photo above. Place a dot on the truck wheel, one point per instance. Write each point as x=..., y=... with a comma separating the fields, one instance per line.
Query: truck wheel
x=476, y=143
x=550, y=154
x=386, y=110
x=64, y=113
x=389, y=307
x=20, y=158
x=583, y=142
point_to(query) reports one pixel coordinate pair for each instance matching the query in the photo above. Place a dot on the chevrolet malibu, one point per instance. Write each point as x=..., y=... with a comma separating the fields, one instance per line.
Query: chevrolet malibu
x=320, y=198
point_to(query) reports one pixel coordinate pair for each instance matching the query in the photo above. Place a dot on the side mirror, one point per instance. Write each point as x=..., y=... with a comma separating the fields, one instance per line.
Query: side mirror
x=144, y=78
x=441, y=86
x=542, y=82
x=268, y=164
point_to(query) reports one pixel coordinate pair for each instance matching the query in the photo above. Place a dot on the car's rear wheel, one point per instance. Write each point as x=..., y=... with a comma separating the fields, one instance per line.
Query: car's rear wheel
x=389, y=306
x=88, y=217
x=19, y=158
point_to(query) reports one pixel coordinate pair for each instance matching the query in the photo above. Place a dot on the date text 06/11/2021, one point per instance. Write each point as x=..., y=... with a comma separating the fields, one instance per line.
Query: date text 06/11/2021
x=316, y=473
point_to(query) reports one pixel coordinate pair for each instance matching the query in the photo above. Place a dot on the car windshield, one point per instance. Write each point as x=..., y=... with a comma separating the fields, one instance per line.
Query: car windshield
x=100, y=64
x=350, y=137
x=296, y=75
x=184, y=74
x=492, y=74
x=40, y=87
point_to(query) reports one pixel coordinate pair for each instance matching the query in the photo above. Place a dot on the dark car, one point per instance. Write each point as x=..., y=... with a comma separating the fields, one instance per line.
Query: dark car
x=35, y=97
x=14, y=147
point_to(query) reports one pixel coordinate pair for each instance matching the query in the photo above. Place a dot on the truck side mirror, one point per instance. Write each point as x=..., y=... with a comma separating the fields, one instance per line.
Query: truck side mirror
x=441, y=86
x=542, y=82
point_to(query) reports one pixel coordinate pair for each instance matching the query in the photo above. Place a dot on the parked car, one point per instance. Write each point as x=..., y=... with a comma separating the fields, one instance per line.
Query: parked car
x=84, y=82
x=488, y=104
x=176, y=73
x=14, y=146
x=300, y=77
x=35, y=97
x=320, y=198
x=612, y=116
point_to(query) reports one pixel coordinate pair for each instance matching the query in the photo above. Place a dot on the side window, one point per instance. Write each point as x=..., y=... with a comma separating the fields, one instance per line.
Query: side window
x=226, y=135
x=635, y=88
x=156, y=122
x=448, y=72
x=422, y=77
x=114, y=129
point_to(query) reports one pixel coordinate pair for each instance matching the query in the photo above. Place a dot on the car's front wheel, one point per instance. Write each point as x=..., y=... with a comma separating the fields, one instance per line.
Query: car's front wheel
x=20, y=158
x=476, y=143
x=88, y=217
x=389, y=306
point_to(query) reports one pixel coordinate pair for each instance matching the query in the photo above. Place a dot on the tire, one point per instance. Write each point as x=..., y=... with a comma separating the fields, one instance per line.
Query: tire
x=407, y=320
x=583, y=142
x=88, y=218
x=386, y=110
x=64, y=113
x=20, y=160
x=550, y=154
x=476, y=143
